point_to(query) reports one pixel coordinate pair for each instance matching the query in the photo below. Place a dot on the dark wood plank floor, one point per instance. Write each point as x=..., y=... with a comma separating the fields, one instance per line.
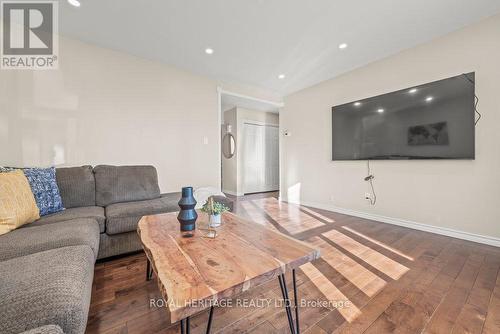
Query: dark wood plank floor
x=371, y=278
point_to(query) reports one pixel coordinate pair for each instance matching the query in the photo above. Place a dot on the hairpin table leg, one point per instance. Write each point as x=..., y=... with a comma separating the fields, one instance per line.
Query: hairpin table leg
x=297, y=328
x=149, y=271
x=286, y=300
x=210, y=316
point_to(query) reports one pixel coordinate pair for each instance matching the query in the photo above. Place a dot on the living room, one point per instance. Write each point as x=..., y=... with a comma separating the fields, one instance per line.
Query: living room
x=368, y=203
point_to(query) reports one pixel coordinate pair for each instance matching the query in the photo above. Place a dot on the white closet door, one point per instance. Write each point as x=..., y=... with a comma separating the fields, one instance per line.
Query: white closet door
x=260, y=158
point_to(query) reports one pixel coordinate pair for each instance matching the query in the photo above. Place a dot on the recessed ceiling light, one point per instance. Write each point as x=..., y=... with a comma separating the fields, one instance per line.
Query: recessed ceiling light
x=380, y=110
x=429, y=98
x=281, y=76
x=413, y=91
x=342, y=46
x=75, y=3
x=357, y=104
x=209, y=51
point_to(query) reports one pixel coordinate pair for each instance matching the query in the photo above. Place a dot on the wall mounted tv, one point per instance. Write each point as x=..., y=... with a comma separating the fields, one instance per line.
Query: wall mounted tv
x=430, y=121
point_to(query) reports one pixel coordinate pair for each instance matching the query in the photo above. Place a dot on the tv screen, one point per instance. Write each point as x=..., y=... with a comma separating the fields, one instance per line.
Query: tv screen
x=430, y=121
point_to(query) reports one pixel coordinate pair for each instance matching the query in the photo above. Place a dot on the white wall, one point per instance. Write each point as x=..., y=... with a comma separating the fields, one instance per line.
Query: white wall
x=230, y=165
x=106, y=107
x=458, y=195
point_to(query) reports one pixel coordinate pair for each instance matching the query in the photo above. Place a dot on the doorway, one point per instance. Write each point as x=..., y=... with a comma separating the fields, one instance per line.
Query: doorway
x=260, y=157
x=250, y=144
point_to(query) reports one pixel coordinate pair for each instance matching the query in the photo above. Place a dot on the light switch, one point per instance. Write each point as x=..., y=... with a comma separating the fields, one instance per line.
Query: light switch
x=205, y=140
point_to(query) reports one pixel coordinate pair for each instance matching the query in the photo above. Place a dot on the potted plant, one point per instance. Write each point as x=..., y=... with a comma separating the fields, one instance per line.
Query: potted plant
x=214, y=210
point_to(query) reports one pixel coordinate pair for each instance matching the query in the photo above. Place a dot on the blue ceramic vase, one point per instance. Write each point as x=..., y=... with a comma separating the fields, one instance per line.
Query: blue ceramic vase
x=187, y=216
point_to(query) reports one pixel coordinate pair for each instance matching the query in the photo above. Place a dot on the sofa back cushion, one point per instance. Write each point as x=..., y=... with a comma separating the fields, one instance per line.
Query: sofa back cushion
x=17, y=203
x=76, y=186
x=45, y=189
x=116, y=184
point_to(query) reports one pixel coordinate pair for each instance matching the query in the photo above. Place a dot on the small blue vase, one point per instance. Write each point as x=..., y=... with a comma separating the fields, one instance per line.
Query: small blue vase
x=187, y=216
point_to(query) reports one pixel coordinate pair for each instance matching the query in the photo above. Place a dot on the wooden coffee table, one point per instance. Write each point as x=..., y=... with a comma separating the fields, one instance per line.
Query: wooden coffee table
x=193, y=273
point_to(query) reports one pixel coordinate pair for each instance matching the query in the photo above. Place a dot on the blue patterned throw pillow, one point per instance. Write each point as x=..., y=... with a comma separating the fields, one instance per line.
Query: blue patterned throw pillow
x=44, y=187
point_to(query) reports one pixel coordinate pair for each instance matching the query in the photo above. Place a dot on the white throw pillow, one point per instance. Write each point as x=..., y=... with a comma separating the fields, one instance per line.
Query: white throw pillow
x=202, y=194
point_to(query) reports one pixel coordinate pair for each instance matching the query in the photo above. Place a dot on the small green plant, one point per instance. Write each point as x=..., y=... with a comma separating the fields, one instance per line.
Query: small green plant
x=212, y=207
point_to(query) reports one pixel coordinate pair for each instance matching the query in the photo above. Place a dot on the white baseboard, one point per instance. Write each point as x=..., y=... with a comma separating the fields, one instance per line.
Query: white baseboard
x=483, y=239
x=232, y=193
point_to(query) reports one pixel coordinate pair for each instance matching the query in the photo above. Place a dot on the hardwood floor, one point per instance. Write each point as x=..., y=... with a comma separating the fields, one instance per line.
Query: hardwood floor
x=371, y=278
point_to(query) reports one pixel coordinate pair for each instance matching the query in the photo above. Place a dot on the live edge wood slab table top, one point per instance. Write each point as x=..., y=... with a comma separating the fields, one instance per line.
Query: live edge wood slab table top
x=194, y=272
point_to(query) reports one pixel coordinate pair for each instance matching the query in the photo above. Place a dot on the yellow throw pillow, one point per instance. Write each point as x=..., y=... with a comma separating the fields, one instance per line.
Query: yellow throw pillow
x=17, y=203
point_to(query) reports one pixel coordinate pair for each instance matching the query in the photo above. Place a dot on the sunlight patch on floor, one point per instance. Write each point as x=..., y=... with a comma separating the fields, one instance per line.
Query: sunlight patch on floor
x=358, y=275
x=377, y=260
x=378, y=243
x=330, y=291
x=290, y=217
x=256, y=214
x=317, y=215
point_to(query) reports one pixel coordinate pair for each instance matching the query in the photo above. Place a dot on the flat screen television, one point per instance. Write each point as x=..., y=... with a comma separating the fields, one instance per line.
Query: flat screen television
x=430, y=121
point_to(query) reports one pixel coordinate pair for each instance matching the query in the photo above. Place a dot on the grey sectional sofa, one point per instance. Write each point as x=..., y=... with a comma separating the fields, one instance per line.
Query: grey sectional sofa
x=116, y=197
x=47, y=267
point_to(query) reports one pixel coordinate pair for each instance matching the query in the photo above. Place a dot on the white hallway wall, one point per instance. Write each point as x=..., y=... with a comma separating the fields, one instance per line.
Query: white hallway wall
x=457, y=195
x=230, y=166
x=107, y=107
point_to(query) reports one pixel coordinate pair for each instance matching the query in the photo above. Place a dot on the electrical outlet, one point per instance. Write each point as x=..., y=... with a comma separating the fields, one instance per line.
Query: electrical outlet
x=368, y=196
x=332, y=198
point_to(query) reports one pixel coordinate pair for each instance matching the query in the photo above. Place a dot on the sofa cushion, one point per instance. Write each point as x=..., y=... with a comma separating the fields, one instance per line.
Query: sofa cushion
x=118, y=244
x=76, y=186
x=47, y=288
x=116, y=184
x=25, y=241
x=95, y=212
x=17, y=203
x=44, y=187
x=49, y=329
x=123, y=217
x=172, y=200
